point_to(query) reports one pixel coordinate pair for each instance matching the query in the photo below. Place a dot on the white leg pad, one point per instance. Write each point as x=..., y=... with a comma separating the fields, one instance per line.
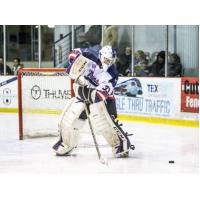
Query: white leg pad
x=69, y=125
x=103, y=123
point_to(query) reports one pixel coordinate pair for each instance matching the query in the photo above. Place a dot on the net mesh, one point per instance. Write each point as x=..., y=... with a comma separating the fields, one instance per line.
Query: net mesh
x=44, y=95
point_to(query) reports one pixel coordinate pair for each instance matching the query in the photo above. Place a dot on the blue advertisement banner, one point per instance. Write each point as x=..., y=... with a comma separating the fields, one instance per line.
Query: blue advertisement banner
x=148, y=96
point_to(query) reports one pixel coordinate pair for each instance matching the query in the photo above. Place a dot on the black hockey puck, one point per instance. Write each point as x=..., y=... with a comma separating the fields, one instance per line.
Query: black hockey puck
x=171, y=161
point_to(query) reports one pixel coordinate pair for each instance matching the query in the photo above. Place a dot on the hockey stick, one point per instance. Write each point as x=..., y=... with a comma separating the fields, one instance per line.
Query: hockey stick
x=101, y=159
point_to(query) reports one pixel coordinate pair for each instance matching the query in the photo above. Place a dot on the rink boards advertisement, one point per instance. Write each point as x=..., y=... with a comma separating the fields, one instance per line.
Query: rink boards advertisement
x=142, y=97
x=148, y=96
x=190, y=94
x=39, y=94
x=46, y=93
x=8, y=93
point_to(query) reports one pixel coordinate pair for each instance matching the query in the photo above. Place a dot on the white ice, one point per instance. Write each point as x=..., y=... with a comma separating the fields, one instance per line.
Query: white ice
x=155, y=146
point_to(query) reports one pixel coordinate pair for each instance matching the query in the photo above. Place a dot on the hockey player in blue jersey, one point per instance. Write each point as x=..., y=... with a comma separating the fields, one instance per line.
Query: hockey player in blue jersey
x=101, y=75
x=95, y=79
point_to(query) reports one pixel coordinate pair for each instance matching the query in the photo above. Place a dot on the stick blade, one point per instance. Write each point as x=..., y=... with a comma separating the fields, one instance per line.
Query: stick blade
x=103, y=161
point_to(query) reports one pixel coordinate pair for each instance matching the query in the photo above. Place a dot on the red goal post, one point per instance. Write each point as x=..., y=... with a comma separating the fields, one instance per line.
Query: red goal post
x=48, y=80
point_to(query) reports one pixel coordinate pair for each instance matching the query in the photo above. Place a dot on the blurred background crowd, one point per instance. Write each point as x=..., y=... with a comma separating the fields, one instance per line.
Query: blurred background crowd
x=142, y=50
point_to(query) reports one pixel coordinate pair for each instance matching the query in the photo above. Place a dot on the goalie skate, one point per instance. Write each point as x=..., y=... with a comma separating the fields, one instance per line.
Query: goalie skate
x=61, y=149
x=122, y=150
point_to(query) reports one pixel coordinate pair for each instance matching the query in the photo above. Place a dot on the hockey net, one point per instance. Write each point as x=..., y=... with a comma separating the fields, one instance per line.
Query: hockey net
x=42, y=94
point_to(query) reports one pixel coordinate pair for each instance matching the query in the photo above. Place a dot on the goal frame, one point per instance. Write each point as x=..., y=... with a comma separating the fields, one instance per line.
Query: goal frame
x=20, y=100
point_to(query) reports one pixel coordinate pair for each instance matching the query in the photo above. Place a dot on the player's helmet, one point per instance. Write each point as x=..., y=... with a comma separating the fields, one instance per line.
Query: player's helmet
x=107, y=55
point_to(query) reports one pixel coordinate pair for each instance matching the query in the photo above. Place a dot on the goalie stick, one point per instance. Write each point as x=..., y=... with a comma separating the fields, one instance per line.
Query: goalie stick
x=101, y=159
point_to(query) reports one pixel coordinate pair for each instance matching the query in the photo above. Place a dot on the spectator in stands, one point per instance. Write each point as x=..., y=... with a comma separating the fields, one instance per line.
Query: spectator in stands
x=8, y=70
x=81, y=41
x=111, y=36
x=123, y=62
x=16, y=65
x=175, y=66
x=140, y=64
x=91, y=39
x=157, y=69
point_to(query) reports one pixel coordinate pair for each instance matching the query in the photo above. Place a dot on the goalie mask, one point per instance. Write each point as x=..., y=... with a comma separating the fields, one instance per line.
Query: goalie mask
x=107, y=56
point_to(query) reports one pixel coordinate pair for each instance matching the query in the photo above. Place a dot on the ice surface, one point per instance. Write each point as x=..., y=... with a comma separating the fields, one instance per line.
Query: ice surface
x=155, y=146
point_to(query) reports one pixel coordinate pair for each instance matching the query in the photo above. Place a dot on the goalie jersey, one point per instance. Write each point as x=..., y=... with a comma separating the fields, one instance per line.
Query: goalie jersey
x=96, y=76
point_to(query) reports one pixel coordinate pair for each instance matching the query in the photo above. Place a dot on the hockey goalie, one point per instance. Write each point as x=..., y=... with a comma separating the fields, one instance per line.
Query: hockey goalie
x=94, y=82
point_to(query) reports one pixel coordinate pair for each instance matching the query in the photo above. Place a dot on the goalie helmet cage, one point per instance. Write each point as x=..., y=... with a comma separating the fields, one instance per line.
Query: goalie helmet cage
x=25, y=79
